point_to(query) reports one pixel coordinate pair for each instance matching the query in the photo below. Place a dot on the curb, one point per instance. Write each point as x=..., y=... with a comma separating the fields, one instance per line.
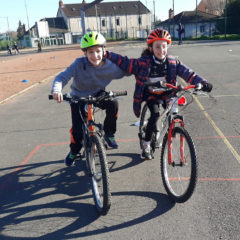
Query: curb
x=28, y=88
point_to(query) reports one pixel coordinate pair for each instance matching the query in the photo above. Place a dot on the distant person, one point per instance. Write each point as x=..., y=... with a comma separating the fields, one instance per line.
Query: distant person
x=15, y=47
x=39, y=46
x=9, y=49
x=180, y=32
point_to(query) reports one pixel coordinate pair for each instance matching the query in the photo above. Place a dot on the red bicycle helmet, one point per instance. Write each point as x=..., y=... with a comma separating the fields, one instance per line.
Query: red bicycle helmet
x=159, y=34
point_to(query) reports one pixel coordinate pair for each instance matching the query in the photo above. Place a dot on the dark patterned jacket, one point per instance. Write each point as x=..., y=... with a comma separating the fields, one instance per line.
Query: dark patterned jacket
x=141, y=69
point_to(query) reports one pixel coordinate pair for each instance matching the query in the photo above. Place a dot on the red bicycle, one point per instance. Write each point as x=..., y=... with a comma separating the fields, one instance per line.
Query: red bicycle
x=178, y=154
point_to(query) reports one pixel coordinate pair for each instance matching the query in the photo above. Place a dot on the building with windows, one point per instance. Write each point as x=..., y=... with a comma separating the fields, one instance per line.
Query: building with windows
x=116, y=20
x=195, y=24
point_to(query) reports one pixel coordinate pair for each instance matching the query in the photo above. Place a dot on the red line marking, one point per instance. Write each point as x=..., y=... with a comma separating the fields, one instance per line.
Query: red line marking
x=207, y=179
x=216, y=137
x=27, y=158
x=31, y=154
x=219, y=179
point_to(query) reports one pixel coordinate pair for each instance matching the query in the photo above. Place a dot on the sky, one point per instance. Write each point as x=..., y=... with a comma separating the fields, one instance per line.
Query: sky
x=30, y=11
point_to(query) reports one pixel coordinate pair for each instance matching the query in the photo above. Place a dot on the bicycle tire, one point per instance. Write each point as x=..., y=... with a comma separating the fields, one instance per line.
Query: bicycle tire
x=99, y=175
x=176, y=181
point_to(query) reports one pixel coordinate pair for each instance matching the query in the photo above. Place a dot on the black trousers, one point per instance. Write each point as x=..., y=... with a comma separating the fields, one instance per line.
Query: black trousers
x=109, y=124
x=153, y=106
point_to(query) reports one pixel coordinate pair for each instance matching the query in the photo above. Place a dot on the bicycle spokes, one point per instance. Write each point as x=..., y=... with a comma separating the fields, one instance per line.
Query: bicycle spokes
x=178, y=165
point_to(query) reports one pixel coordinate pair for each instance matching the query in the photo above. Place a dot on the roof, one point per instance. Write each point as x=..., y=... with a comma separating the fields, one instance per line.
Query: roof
x=190, y=16
x=107, y=9
x=57, y=22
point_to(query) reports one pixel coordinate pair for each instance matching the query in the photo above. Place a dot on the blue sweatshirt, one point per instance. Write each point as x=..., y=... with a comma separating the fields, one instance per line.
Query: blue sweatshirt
x=87, y=79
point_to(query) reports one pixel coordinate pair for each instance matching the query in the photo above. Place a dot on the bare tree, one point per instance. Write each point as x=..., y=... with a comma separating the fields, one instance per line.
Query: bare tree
x=215, y=6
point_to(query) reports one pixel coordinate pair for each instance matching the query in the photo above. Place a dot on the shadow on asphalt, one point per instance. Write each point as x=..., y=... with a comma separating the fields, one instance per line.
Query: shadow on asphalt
x=25, y=198
x=135, y=160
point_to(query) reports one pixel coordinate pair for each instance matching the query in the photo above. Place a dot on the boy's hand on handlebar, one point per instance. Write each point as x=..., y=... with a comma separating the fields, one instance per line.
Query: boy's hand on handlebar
x=58, y=97
x=207, y=87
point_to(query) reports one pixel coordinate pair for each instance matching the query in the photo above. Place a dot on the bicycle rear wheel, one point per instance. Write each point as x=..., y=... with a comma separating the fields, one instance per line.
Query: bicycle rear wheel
x=180, y=177
x=99, y=175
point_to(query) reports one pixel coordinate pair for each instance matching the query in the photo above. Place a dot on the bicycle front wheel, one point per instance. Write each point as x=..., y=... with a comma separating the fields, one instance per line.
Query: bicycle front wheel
x=179, y=177
x=99, y=175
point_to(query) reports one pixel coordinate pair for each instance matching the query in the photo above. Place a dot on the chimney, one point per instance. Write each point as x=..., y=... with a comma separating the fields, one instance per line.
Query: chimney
x=61, y=5
x=171, y=13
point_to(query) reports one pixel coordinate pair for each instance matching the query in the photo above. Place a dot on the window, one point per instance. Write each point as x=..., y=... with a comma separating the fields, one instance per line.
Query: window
x=202, y=28
x=118, y=21
x=103, y=23
x=140, y=20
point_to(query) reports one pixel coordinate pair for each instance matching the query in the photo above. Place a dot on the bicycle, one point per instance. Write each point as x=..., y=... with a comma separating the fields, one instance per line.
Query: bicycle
x=93, y=149
x=178, y=155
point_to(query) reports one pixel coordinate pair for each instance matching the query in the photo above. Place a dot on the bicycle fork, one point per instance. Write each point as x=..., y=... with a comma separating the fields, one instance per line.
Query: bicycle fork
x=175, y=120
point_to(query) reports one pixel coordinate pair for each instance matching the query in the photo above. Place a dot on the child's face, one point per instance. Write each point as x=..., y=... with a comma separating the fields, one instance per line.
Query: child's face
x=95, y=55
x=159, y=49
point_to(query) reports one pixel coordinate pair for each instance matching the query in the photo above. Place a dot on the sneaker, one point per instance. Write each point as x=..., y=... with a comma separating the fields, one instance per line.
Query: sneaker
x=146, y=153
x=70, y=159
x=110, y=141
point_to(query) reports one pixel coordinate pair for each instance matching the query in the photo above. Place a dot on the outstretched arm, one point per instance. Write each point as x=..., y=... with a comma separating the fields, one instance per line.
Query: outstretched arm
x=130, y=65
x=192, y=77
x=188, y=74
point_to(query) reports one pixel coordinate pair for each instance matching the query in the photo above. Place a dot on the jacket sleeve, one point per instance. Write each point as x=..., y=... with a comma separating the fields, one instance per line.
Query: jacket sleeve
x=63, y=78
x=188, y=74
x=129, y=65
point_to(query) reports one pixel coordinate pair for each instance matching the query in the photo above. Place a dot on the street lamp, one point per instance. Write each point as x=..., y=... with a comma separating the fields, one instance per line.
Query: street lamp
x=225, y=24
x=82, y=12
x=30, y=41
x=196, y=18
x=139, y=19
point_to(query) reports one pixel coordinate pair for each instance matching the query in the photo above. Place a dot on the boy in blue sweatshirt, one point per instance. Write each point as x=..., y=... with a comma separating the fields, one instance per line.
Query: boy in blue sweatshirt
x=91, y=74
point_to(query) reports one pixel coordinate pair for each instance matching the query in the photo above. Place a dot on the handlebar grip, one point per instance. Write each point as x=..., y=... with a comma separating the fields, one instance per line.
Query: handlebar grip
x=65, y=97
x=120, y=93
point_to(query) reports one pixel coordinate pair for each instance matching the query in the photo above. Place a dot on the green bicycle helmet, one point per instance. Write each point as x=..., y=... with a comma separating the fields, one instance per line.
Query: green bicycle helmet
x=92, y=39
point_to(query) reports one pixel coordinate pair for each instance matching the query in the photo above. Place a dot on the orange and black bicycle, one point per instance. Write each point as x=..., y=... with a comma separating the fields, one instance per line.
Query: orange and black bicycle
x=94, y=151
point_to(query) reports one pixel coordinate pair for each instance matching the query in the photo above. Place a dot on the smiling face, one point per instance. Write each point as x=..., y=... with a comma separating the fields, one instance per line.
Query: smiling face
x=95, y=55
x=159, y=49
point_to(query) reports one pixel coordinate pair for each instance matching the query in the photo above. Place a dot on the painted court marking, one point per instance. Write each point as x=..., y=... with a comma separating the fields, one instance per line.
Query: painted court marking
x=32, y=153
x=217, y=129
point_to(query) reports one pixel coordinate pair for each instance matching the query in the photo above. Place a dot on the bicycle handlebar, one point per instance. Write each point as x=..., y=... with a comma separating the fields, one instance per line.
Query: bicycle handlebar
x=91, y=99
x=162, y=84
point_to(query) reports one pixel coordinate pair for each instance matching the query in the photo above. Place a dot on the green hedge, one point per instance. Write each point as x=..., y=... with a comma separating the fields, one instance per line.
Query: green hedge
x=217, y=37
x=3, y=45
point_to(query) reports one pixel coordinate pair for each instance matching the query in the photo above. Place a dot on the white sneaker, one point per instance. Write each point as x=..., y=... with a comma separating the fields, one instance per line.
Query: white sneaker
x=146, y=153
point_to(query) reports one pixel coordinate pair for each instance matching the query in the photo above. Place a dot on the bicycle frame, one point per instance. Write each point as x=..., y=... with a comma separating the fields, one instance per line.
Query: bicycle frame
x=170, y=136
x=175, y=119
x=90, y=118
